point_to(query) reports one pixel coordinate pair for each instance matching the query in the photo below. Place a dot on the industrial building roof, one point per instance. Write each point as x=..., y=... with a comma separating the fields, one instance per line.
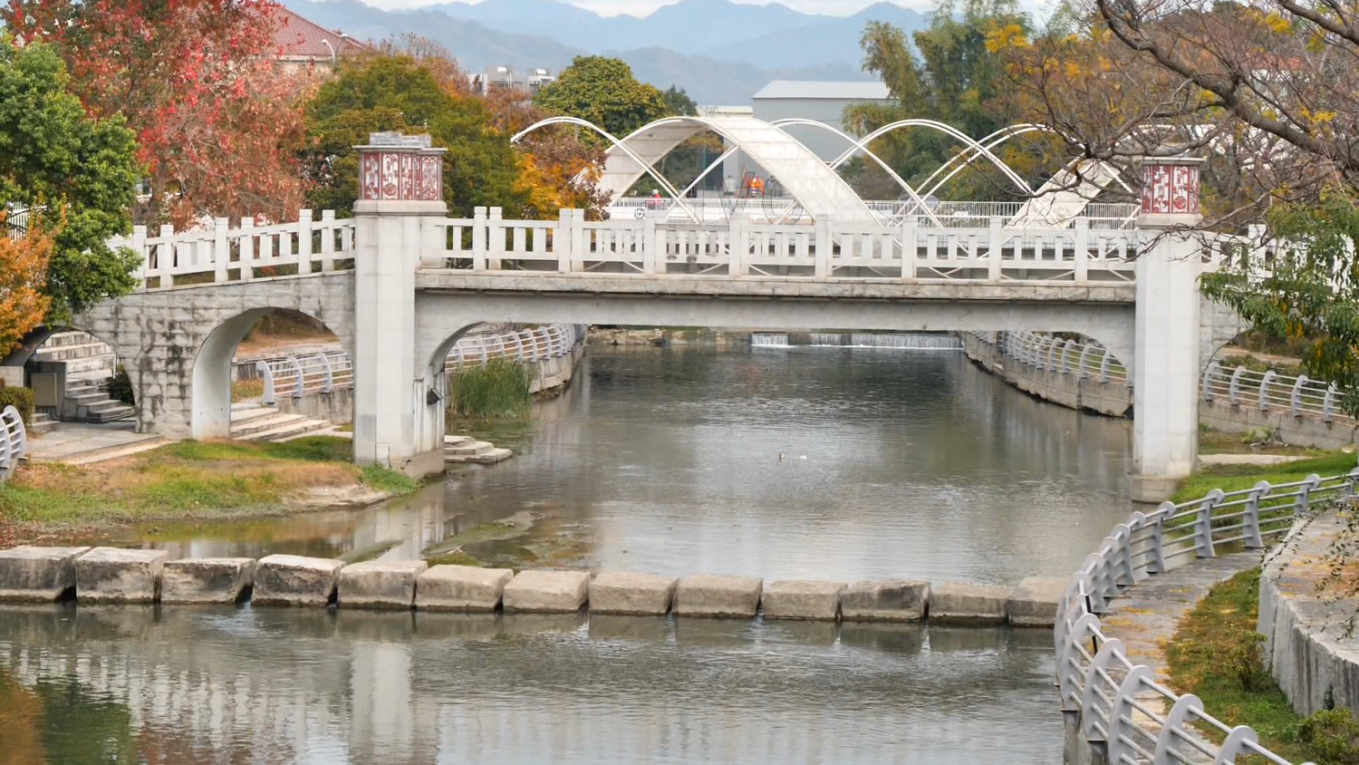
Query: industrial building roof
x=837, y=91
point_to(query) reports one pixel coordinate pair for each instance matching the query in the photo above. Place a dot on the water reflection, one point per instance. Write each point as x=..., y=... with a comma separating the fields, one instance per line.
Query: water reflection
x=188, y=685
x=805, y=462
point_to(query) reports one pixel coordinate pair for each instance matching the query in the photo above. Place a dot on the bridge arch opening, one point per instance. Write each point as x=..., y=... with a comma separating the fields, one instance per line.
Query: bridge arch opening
x=281, y=383
x=74, y=373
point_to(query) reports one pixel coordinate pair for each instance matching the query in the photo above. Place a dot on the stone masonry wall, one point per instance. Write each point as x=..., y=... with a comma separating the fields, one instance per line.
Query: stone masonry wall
x=158, y=335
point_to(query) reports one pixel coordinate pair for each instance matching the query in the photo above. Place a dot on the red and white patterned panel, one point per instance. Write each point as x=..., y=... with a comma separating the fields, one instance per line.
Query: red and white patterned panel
x=1170, y=189
x=401, y=176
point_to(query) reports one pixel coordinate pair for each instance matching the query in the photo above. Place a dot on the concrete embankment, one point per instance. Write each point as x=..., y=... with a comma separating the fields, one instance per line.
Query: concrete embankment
x=104, y=574
x=1307, y=618
x=1114, y=398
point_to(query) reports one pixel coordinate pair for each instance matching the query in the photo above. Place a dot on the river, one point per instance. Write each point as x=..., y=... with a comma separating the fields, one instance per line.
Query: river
x=830, y=463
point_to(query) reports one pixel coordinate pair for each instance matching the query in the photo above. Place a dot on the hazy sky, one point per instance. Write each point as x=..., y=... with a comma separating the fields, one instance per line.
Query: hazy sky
x=643, y=7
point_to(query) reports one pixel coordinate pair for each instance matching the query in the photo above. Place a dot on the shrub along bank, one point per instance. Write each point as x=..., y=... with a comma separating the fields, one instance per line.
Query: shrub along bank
x=500, y=389
x=192, y=480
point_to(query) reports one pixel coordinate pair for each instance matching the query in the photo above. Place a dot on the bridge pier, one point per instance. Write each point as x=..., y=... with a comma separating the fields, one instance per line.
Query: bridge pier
x=400, y=196
x=1167, y=331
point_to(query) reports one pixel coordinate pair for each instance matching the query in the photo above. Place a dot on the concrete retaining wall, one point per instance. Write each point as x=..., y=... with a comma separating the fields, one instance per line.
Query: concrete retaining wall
x=38, y=574
x=1309, y=649
x=1108, y=398
x=1115, y=400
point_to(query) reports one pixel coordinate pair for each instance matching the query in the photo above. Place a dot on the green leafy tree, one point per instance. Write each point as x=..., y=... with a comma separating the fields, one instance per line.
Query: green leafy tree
x=679, y=102
x=83, y=170
x=397, y=92
x=954, y=79
x=603, y=91
x=1311, y=293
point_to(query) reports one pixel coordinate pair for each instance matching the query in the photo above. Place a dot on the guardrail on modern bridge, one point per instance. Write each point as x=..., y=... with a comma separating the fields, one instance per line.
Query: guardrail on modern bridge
x=13, y=441
x=298, y=376
x=1119, y=703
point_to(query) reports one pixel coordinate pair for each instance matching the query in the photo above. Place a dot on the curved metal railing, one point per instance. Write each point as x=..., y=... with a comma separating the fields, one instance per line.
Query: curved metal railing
x=298, y=376
x=1119, y=703
x=1055, y=354
x=13, y=441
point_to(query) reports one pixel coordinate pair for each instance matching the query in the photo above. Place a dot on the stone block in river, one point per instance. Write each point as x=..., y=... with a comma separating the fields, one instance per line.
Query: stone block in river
x=794, y=599
x=547, y=591
x=632, y=594
x=294, y=580
x=718, y=596
x=1034, y=601
x=885, y=600
x=380, y=584
x=37, y=574
x=461, y=588
x=115, y=575
x=206, y=580
x=962, y=603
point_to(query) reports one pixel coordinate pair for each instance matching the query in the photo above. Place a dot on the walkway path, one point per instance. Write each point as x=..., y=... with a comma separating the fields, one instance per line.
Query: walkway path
x=1145, y=617
x=78, y=443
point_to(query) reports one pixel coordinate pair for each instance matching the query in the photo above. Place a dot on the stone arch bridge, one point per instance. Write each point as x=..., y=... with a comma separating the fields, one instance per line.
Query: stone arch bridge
x=400, y=283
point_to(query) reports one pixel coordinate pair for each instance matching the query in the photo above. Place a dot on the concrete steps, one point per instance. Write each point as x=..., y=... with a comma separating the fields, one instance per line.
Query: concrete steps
x=40, y=424
x=263, y=423
x=465, y=450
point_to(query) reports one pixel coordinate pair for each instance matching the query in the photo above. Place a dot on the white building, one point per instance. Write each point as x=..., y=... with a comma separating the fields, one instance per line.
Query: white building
x=820, y=101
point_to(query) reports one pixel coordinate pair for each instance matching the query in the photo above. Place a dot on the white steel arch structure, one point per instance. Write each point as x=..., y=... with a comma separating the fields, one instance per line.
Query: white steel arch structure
x=815, y=186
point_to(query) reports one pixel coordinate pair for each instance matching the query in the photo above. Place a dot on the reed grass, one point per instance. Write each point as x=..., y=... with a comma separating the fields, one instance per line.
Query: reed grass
x=497, y=390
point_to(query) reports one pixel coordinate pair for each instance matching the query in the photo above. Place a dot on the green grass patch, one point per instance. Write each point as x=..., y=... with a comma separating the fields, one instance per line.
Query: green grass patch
x=499, y=389
x=1215, y=655
x=189, y=481
x=1235, y=477
x=390, y=481
x=1221, y=442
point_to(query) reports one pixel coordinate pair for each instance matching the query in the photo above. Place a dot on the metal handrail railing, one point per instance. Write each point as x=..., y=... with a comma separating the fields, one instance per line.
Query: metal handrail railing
x=13, y=441
x=1052, y=354
x=1098, y=682
x=298, y=376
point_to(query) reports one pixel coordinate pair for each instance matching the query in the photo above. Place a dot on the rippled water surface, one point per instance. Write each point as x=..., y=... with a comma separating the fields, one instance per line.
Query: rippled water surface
x=779, y=462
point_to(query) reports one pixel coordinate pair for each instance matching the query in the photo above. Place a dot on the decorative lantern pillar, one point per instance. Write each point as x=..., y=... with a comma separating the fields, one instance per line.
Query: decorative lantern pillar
x=400, y=198
x=1166, y=328
x=1170, y=192
x=400, y=168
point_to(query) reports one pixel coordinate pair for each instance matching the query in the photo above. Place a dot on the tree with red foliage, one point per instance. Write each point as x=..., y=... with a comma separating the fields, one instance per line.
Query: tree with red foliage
x=217, y=124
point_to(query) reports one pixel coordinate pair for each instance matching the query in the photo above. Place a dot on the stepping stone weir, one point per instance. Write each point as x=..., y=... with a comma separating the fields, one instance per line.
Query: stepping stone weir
x=38, y=574
x=114, y=575
x=461, y=588
x=293, y=580
x=632, y=594
x=207, y=580
x=718, y=596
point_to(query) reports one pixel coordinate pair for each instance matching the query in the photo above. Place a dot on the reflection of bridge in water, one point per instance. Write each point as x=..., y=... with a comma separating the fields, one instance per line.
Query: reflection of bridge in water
x=309, y=686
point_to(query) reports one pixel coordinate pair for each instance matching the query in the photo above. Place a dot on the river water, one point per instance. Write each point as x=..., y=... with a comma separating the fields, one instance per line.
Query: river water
x=806, y=462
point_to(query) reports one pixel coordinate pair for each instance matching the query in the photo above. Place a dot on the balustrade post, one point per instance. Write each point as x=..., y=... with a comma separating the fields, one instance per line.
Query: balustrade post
x=1302, y=505
x=1104, y=367
x=1251, y=518
x=825, y=248
x=909, y=252
x=298, y=376
x=304, y=221
x=1208, y=380
x=221, y=249
x=328, y=386
x=651, y=254
x=328, y=241
x=561, y=240
x=165, y=256
x=1295, y=396
x=1084, y=372
x=1158, y=543
x=139, y=247
x=738, y=246
x=1203, y=525
x=1328, y=404
x=1264, y=390
x=1234, y=388
x=1082, y=250
x=1351, y=480
x=247, y=239
x=1176, y=729
x=995, y=239
x=479, y=239
x=1066, y=354
x=580, y=241
x=495, y=233
x=269, y=398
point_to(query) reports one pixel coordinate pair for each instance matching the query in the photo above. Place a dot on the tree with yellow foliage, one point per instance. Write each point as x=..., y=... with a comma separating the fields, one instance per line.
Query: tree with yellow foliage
x=23, y=274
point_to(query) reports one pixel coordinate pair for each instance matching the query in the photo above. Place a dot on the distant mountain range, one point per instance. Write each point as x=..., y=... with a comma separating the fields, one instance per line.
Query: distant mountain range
x=719, y=51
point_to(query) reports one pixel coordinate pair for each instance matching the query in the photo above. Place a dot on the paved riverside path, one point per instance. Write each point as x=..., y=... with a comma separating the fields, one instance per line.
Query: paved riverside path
x=1145, y=617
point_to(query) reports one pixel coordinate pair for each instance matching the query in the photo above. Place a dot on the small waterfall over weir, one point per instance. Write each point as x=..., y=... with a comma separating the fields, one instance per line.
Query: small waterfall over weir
x=909, y=341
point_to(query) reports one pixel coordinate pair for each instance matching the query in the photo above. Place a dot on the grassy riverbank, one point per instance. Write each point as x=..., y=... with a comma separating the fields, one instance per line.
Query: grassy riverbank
x=192, y=480
x=1215, y=655
x=1234, y=477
